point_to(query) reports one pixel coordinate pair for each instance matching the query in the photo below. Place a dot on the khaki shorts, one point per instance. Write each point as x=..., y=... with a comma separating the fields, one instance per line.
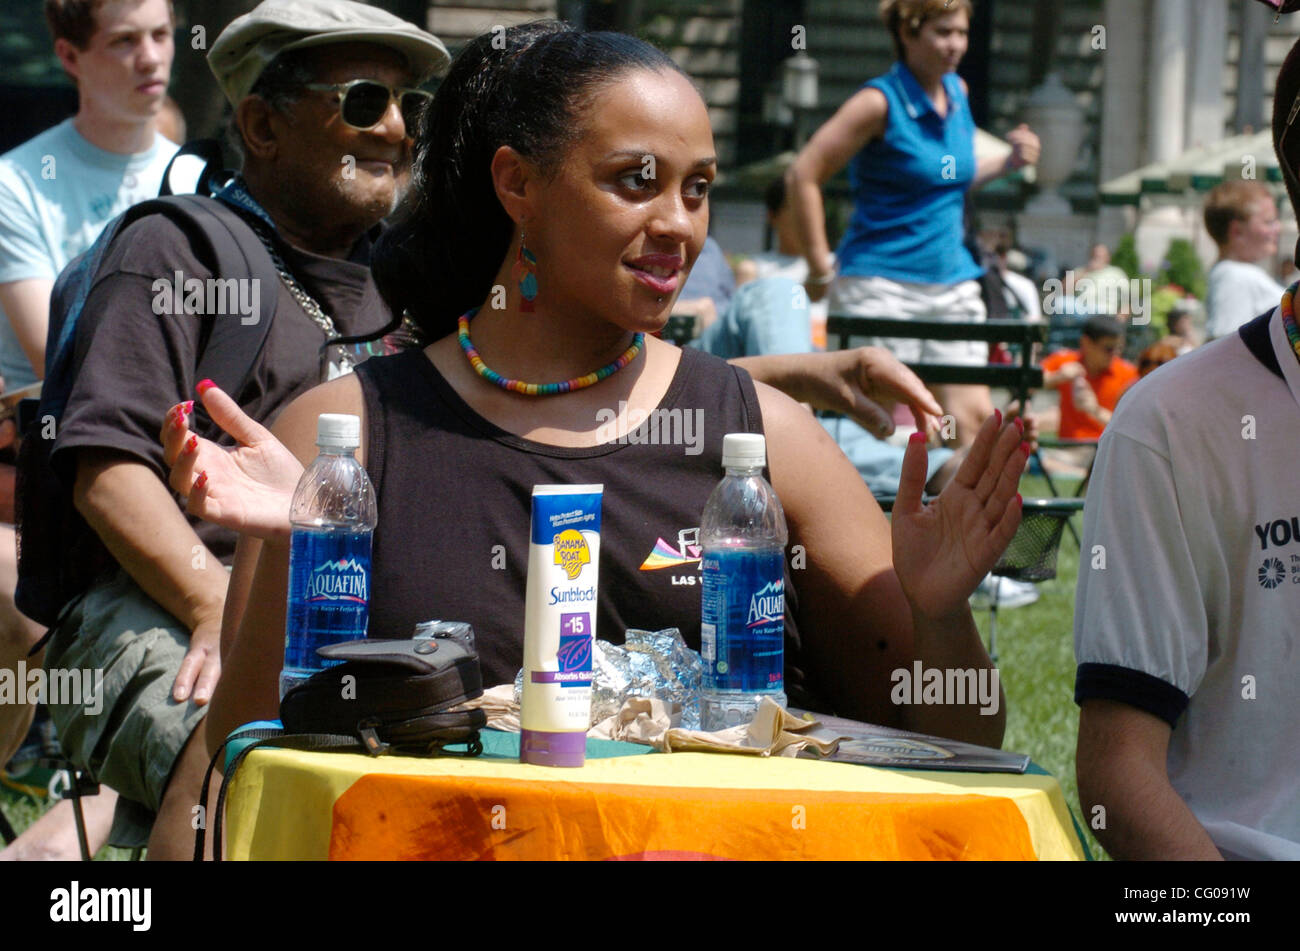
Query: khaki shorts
x=881, y=297
x=134, y=740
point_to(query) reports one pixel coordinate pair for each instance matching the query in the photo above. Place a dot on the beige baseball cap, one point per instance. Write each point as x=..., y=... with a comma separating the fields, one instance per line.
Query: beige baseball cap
x=250, y=42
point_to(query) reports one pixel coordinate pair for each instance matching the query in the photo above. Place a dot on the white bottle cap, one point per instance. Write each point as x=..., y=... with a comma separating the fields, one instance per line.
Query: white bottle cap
x=338, y=431
x=744, y=451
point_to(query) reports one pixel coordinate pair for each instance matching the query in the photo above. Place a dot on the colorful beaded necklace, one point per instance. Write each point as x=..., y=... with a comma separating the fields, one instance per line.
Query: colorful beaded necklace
x=540, y=389
x=1288, y=318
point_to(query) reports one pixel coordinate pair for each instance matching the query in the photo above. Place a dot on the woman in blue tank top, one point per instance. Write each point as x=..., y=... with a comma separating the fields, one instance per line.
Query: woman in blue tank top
x=562, y=197
x=908, y=140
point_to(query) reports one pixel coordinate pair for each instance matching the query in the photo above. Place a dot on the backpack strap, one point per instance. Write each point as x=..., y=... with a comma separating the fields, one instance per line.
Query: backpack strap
x=237, y=251
x=212, y=176
x=232, y=348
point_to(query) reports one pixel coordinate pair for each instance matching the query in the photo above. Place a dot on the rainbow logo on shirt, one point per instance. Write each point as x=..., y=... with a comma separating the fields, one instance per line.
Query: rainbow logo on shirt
x=664, y=555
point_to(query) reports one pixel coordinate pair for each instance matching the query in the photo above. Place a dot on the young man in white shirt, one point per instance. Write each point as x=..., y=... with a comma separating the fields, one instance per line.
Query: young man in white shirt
x=1242, y=219
x=1188, y=602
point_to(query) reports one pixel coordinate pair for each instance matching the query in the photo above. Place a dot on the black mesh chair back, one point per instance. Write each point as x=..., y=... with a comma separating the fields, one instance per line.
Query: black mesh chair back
x=1031, y=556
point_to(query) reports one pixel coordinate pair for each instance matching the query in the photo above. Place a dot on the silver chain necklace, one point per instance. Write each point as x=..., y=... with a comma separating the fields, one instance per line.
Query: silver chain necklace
x=299, y=293
x=309, y=306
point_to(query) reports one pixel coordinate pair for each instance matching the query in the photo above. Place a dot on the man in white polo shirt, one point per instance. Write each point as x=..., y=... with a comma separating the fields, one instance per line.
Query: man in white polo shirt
x=1188, y=606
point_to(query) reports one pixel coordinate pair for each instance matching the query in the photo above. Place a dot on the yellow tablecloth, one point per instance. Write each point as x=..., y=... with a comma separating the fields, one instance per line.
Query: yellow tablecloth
x=285, y=804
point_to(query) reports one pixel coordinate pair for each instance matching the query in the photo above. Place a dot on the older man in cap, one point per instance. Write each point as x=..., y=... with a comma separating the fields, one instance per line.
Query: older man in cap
x=324, y=97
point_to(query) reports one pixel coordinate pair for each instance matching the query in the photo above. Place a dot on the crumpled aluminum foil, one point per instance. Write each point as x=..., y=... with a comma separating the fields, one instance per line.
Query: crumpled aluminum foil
x=647, y=664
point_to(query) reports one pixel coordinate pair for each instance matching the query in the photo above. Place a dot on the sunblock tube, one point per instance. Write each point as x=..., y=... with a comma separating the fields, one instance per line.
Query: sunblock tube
x=559, y=624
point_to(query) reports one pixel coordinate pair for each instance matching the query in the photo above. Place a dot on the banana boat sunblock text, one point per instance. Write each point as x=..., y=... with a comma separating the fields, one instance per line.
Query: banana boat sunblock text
x=560, y=624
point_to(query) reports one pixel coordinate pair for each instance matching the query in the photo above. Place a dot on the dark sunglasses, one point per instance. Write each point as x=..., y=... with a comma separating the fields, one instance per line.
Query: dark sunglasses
x=363, y=102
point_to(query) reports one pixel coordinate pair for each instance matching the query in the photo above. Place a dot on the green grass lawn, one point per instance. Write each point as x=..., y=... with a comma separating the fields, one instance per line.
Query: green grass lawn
x=1036, y=658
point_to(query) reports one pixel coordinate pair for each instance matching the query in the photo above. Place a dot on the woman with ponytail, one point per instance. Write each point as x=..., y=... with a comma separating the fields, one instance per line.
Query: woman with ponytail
x=561, y=188
x=908, y=139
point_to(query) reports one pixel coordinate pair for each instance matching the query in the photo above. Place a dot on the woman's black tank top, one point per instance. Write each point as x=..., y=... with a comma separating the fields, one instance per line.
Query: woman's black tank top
x=454, y=497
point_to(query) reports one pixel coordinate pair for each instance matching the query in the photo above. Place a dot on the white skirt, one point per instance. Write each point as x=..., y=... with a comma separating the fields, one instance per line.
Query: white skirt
x=852, y=296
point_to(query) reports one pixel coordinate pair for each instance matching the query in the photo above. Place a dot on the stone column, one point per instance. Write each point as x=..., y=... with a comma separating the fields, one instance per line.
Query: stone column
x=1123, y=105
x=1167, y=79
x=1255, y=21
x=1208, y=49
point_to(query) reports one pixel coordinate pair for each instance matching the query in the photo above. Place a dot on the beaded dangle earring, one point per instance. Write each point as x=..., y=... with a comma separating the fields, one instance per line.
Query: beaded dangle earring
x=525, y=273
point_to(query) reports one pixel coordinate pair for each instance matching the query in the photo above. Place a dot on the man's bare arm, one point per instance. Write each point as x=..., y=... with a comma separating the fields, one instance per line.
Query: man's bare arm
x=139, y=522
x=1121, y=767
x=27, y=304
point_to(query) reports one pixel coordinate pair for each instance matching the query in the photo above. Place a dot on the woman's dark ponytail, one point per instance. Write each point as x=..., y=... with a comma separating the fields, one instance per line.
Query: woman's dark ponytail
x=522, y=87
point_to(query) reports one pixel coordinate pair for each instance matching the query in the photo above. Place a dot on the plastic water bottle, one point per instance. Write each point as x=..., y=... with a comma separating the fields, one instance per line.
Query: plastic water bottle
x=333, y=517
x=743, y=536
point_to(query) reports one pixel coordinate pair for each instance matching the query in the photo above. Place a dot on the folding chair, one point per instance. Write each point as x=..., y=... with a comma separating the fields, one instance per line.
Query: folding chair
x=47, y=758
x=1020, y=378
x=1082, y=487
x=52, y=762
x=1031, y=555
x=7, y=833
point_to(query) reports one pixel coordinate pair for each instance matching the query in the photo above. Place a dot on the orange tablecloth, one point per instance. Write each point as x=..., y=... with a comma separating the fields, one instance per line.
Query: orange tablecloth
x=292, y=805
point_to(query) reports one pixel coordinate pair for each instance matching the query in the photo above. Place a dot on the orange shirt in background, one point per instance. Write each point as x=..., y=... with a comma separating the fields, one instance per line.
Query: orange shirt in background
x=1108, y=387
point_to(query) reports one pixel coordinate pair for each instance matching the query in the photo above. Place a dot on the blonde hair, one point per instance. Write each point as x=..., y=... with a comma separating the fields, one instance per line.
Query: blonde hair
x=912, y=15
x=1229, y=202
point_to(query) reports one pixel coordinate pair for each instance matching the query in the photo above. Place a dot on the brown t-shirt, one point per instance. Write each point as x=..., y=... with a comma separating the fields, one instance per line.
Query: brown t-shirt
x=131, y=365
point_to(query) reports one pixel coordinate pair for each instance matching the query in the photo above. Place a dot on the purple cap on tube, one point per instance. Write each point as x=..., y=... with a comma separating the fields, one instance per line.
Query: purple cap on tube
x=542, y=748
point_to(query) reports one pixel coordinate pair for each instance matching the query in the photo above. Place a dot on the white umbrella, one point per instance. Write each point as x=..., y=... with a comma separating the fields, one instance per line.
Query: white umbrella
x=1198, y=169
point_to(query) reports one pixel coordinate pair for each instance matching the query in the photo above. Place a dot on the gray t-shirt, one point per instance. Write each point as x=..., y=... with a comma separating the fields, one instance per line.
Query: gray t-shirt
x=131, y=364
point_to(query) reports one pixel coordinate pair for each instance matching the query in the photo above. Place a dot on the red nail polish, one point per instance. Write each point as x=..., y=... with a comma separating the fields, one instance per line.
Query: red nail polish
x=917, y=436
x=997, y=414
x=191, y=444
x=1019, y=500
x=203, y=386
x=1024, y=447
x=202, y=480
x=1020, y=424
x=178, y=422
x=189, y=407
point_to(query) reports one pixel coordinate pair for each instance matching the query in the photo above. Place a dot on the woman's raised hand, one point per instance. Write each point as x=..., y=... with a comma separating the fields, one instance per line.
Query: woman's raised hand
x=943, y=550
x=248, y=489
